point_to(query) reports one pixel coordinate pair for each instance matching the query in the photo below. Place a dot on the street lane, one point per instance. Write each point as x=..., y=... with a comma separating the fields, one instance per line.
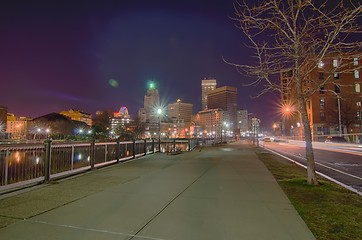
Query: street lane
x=342, y=162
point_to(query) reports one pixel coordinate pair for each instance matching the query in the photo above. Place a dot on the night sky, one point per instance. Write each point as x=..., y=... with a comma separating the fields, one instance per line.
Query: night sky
x=57, y=55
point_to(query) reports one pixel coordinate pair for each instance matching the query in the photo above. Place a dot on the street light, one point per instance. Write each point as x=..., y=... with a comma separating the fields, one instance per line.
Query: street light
x=274, y=128
x=47, y=132
x=287, y=111
x=339, y=112
x=226, y=125
x=159, y=113
x=339, y=115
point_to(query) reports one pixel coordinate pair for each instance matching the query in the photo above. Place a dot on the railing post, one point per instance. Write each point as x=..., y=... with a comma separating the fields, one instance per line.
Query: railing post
x=92, y=153
x=153, y=145
x=105, y=152
x=145, y=147
x=72, y=158
x=48, y=158
x=174, y=145
x=189, y=140
x=126, y=151
x=134, y=148
x=7, y=155
x=118, y=150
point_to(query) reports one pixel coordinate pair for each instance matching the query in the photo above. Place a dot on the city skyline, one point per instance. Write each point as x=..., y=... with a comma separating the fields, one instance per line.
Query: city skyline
x=90, y=57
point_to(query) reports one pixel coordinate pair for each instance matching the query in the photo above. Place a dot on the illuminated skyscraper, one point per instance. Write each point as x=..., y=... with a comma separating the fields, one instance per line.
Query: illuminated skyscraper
x=225, y=98
x=151, y=102
x=180, y=111
x=211, y=122
x=207, y=86
x=242, y=119
x=119, y=121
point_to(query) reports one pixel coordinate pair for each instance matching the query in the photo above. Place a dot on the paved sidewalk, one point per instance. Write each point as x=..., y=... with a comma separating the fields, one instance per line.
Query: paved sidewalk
x=218, y=193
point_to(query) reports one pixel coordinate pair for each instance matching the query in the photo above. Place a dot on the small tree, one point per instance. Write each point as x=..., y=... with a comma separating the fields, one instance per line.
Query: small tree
x=101, y=123
x=137, y=128
x=295, y=36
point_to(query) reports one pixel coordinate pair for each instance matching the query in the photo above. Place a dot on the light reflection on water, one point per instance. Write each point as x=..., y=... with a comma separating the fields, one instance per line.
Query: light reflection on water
x=22, y=164
x=28, y=164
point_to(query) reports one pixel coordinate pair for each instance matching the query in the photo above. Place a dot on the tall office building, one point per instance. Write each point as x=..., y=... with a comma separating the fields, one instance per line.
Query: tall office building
x=180, y=111
x=242, y=119
x=119, y=121
x=207, y=86
x=211, y=122
x=225, y=98
x=151, y=102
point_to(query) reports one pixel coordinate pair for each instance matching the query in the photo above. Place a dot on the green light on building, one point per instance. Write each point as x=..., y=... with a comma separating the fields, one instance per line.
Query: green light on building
x=151, y=85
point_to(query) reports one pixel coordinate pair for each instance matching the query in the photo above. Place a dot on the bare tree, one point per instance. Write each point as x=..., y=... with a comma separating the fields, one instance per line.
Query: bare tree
x=296, y=36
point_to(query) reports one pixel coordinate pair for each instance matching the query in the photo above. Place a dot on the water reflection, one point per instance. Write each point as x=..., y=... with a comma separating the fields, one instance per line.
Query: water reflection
x=22, y=164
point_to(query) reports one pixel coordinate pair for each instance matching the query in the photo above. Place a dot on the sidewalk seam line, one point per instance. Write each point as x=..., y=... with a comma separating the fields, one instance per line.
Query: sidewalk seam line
x=172, y=200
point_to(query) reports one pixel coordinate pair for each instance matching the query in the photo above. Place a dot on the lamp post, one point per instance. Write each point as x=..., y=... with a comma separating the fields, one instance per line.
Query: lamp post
x=47, y=132
x=360, y=125
x=339, y=115
x=274, y=127
x=287, y=111
x=255, y=124
x=226, y=125
x=159, y=112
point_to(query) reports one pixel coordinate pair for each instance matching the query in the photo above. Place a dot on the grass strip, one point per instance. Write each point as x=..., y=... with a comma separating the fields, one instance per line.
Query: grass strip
x=330, y=211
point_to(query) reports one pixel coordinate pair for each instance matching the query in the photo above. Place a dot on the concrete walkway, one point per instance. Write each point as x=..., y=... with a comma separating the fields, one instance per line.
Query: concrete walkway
x=217, y=193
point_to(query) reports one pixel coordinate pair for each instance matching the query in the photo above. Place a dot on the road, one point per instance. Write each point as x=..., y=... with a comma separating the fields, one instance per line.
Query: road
x=342, y=162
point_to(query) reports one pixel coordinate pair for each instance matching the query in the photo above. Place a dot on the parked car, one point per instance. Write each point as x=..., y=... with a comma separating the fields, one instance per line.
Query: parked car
x=336, y=139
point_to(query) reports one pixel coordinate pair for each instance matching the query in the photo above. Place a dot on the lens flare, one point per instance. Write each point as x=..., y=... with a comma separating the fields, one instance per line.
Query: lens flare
x=113, y=83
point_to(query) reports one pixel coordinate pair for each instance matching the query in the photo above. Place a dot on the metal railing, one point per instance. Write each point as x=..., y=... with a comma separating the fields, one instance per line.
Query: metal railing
x=32, y=164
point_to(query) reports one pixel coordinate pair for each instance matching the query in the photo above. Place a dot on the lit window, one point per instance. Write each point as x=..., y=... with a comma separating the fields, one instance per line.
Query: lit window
x=356, y=74
x=336, y=75
x=320, y=64
x=335, y=63
x=322, y=103
x=358, y=87
x=355, y=61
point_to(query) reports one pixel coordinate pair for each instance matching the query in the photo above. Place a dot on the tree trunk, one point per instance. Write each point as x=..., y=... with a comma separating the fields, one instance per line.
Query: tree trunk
x=311, y=170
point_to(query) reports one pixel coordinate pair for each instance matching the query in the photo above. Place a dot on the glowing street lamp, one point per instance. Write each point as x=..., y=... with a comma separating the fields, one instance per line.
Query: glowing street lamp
x=48, y=132
x=222, y=130
x=274, y=127
x=159, y=113
x=287, y=110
